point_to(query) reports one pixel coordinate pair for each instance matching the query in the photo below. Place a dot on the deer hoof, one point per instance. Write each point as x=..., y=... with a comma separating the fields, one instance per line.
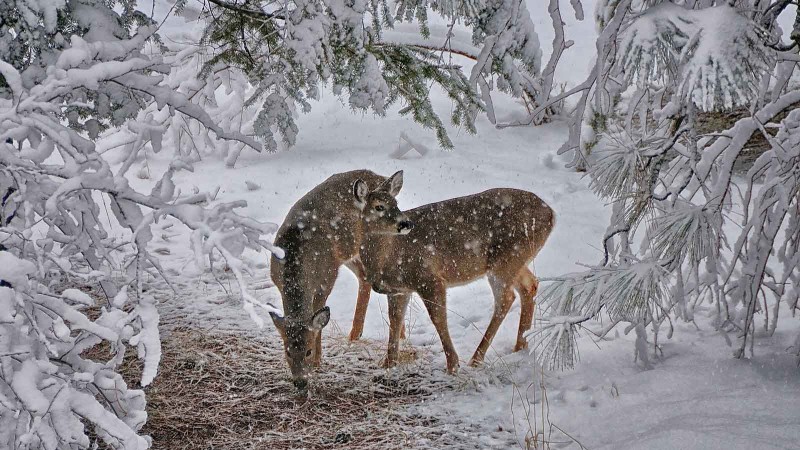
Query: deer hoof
x=452, y=369
x=388, y=364
x=476, y=362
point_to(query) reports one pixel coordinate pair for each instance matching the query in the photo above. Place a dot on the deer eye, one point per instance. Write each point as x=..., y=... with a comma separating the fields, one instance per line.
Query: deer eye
x=380, y=208
x=308, y=353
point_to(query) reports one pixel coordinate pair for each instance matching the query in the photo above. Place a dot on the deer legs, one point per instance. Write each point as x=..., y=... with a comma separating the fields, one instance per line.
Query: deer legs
x=320, y=297
x=527, y=285
x=434, y=296
x=362, y=302
x=435, y=300
x=397, y=312
x=503, y=299
x=364, y=289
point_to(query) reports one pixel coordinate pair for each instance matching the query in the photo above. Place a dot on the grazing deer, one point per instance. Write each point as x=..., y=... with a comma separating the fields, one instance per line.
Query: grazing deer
x=450, y=243
x=321, y=233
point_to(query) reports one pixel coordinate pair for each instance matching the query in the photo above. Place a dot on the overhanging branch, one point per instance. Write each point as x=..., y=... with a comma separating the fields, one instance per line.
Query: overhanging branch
x=248, y=12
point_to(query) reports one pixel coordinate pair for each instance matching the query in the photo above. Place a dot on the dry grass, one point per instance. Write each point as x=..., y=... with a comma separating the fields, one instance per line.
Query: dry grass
x=231, y=390
x=225, y=391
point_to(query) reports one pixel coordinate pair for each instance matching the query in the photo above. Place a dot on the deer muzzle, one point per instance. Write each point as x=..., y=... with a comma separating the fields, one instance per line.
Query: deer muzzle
x=404, y=226
x=301, y=384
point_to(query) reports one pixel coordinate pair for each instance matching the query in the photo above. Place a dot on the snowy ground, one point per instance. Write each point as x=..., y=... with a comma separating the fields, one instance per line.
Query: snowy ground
x=695, y=396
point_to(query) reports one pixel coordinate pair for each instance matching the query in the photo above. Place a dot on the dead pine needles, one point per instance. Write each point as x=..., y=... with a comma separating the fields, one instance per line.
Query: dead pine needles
x=231, y=391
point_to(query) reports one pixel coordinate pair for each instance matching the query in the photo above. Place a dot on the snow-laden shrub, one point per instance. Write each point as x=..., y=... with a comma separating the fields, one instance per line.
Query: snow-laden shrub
x=50, y=391
x=223, y=94
x=684, y=230
x=67, y=214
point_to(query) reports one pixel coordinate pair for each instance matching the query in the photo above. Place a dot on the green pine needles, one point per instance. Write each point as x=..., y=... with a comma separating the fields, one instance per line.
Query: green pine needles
x=290, y=49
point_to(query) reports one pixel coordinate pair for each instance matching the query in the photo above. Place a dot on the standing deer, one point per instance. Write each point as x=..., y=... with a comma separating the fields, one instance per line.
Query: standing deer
x=321, y=233
x=450, y=243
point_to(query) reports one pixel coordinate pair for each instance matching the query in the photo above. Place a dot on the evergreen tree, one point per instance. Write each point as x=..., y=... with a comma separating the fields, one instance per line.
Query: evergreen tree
x=288, y=49
x=34, y=34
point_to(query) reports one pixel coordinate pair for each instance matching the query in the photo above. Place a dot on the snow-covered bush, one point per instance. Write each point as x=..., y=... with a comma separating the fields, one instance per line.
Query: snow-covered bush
x=68, y=72
x=50, y=392
x=673, y=242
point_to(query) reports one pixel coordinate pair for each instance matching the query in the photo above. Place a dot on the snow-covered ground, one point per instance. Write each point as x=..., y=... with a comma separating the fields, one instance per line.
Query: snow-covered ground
x=695, y=396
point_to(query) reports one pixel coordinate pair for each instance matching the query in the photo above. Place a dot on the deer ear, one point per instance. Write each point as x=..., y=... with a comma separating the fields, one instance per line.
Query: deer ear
x=320, y=319
x=280, y=324
x=279, y=321
x=360, y=191
x=393, y=184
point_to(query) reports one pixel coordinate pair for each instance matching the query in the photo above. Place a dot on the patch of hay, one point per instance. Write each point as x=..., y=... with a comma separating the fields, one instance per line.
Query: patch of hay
x=225, y=391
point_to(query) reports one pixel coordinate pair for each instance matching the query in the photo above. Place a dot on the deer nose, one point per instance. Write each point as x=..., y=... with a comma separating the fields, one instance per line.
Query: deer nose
x=405, y=226
x=301, y=384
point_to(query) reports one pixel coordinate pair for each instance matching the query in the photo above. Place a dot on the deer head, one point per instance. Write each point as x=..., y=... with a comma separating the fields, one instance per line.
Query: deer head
x=299, y=339
x=379, y=210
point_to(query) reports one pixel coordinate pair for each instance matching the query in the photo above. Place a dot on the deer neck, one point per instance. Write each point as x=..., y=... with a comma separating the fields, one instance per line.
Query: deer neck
x=298, y=298
x=375, y=252
x=297, y=292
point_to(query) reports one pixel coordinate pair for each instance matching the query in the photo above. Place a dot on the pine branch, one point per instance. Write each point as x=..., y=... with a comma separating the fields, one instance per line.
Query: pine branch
x=248, y=12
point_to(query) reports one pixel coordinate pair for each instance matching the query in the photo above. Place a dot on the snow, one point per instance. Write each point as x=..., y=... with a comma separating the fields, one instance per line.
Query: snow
x=718, y=53
x=459, y=40
x=78, y=296
x=12, y=77
x=6, y=305
x=14, y=270
x=148, y=342
x=695, y=397
x=371, y=89
x=24, y=386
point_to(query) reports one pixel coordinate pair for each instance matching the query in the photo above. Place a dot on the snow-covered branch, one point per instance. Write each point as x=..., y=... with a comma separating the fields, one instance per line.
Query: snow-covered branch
x=674, y=192
x=57, y=387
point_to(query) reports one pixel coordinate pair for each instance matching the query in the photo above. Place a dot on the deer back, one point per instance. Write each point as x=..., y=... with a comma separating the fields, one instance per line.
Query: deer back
x=459, y=240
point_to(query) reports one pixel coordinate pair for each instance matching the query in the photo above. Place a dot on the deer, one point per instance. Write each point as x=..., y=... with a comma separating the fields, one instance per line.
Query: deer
x=321, y=232
x=428, y=249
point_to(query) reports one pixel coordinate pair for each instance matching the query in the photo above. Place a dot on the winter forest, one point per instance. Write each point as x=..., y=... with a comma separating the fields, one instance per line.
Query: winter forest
x=399, y=224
